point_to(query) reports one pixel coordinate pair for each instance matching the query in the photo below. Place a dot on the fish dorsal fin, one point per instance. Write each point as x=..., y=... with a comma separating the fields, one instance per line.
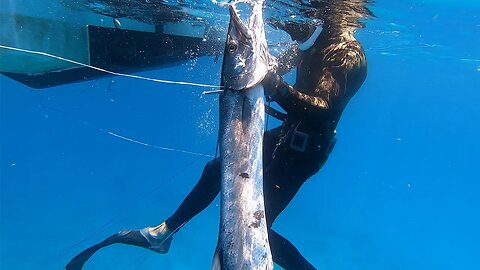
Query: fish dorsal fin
x=256, y=18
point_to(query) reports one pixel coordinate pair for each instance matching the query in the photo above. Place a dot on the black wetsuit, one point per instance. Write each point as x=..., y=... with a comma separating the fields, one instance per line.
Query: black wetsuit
x=328, y=75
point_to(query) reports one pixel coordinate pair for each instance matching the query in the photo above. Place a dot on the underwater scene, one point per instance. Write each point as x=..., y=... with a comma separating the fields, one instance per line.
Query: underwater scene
x=113, y=145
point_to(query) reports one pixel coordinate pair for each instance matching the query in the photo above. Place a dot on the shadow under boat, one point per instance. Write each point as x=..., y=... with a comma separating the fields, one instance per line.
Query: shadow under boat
x=122, y=45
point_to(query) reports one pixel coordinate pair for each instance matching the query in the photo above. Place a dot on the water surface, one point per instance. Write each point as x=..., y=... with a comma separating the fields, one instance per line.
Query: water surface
x=398, y=192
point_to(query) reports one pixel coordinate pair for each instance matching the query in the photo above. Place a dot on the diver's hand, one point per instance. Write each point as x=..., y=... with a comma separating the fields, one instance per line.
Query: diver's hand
x=271, y=83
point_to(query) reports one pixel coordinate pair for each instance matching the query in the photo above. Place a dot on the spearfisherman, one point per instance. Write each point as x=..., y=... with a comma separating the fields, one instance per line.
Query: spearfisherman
x=331, y=67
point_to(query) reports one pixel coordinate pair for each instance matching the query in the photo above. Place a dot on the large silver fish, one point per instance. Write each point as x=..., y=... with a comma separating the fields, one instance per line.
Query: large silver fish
x=243, y=238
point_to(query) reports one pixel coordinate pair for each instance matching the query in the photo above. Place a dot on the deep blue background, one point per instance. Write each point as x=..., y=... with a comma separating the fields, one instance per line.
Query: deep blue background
x=400, y=190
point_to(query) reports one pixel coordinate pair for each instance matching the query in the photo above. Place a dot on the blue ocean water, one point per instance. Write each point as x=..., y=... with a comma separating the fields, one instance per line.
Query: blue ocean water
x=398, y=192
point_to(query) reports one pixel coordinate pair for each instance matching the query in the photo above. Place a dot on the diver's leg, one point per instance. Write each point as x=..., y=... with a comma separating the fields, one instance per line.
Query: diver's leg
x=279, y=189
x=286, y=254
x=199, y=198
x=204, y=192
x=283, y=178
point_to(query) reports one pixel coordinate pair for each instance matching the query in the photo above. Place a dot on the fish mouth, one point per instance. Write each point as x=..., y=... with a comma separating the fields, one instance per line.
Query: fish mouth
x=237, y=22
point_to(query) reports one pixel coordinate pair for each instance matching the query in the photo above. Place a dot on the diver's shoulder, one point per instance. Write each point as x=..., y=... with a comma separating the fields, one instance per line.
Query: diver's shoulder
x=344, y=49
x=342, y=39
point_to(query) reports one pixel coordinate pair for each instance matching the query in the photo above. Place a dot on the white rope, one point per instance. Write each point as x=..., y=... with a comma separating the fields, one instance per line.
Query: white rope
x=108, y=71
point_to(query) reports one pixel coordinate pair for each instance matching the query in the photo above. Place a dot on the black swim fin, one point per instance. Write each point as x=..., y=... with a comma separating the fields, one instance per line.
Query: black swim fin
x=134, y=238
x=78, y=261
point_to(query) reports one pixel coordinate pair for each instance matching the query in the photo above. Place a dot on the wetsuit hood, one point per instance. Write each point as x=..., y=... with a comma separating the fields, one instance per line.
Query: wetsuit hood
x=307, y=44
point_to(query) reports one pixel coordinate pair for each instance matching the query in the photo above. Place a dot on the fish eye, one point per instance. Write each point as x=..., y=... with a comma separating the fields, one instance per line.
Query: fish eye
x=232, y=47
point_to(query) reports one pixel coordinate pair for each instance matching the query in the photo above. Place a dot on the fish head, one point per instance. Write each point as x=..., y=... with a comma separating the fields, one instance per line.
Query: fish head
x=246, y=58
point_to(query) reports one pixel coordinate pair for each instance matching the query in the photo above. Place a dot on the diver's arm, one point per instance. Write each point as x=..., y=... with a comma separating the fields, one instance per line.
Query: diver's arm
x=298, y=103
x=337, y=83
x=288, y=60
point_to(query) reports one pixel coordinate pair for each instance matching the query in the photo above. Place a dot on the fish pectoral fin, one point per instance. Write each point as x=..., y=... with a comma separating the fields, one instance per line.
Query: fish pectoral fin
x=216, y=264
